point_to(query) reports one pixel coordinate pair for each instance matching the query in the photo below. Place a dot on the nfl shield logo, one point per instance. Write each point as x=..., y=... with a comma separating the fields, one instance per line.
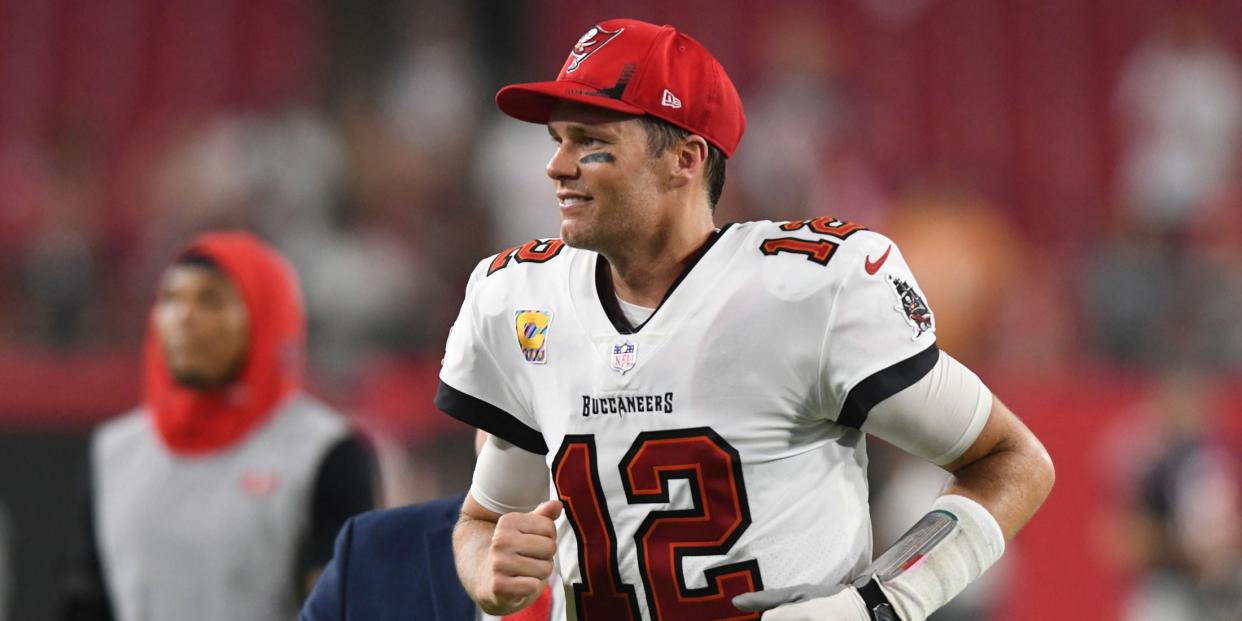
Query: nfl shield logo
x=623, y=356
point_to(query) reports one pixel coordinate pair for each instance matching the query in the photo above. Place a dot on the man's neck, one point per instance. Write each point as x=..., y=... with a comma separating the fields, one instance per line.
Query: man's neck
x=642, y=273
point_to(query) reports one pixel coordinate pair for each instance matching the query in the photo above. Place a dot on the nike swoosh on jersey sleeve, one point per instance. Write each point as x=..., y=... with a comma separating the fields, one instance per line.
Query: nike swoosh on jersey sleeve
x=874, y=266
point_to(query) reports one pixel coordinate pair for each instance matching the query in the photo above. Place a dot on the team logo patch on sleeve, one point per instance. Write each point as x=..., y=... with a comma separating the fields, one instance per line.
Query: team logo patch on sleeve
x=624, y=356
x=911, y=306
x=532, y=334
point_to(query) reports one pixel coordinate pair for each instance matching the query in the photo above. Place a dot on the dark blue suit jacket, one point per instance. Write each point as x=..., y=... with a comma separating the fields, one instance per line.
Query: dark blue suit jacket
x=393, y=564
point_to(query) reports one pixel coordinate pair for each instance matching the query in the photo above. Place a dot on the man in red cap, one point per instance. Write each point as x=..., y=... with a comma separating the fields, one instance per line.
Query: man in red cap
x=697, y=398
x=219, y=497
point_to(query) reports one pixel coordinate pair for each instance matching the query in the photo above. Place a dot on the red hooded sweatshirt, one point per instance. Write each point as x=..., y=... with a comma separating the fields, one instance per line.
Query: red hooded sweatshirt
x=194, y=422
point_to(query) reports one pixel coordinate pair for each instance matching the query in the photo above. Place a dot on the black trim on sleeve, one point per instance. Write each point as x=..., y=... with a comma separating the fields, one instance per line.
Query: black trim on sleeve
x=885, y=383
x=344, y=487
x=483, y=415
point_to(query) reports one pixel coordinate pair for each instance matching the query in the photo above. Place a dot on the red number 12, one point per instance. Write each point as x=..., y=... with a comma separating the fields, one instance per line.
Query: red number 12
x=718, y=517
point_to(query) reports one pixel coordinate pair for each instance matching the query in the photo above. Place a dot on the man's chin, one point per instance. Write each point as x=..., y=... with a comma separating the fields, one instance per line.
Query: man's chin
x=194, y=377
x=576, y=237
x=197, y=381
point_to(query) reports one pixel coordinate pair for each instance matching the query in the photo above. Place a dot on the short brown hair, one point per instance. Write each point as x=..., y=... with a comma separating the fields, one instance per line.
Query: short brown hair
x=662, y=135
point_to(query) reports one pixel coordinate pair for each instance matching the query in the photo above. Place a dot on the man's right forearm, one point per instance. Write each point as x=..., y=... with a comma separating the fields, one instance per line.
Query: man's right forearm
x=471, y=539
x=504, y=561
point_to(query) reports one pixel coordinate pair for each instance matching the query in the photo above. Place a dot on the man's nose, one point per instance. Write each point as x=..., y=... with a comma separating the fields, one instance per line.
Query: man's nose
x=183, y=312
x=562, y=165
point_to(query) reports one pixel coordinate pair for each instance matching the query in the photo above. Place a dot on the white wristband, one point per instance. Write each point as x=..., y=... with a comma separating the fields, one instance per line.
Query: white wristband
x=927, y=567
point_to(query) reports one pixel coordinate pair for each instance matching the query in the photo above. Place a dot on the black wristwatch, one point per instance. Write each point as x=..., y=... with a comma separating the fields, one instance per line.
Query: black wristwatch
x=877, y=603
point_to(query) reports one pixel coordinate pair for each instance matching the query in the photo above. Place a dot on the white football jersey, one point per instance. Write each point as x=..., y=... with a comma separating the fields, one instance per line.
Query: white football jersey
x=717, y=448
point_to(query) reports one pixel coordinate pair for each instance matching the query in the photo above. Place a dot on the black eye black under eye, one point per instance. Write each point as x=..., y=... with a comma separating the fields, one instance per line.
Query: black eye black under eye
x=598, y=158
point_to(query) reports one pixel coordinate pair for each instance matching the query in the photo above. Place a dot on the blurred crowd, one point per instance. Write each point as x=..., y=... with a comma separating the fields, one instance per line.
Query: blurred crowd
x=360, y=139
x=369, y=171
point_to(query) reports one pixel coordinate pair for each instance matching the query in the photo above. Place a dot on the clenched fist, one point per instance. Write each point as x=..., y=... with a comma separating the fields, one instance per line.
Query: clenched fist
x=519, y=558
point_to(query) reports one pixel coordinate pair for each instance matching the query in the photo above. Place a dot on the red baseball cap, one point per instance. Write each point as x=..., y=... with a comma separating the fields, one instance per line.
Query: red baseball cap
x=639, y=68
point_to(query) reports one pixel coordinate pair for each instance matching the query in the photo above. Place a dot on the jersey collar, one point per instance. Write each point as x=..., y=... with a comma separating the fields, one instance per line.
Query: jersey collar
x=607, y=296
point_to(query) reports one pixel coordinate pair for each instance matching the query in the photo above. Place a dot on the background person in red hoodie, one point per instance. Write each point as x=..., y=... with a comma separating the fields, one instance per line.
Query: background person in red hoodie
x=220, y=496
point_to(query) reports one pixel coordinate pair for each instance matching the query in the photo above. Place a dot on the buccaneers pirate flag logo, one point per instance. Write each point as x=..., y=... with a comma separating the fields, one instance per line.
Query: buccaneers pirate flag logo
x=911, y=306
x=588, y=44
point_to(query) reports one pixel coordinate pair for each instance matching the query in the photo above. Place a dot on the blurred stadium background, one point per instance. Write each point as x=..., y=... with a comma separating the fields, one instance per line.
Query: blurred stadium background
x=1065, y=177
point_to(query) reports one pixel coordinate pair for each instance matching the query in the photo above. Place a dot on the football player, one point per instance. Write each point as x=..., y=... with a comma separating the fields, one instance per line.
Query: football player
x=679, y=410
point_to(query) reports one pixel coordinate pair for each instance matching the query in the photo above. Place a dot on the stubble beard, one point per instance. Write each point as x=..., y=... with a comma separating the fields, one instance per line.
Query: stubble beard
x=619, y=220
x=592, y=232
x=607, y=235
x=613, y=226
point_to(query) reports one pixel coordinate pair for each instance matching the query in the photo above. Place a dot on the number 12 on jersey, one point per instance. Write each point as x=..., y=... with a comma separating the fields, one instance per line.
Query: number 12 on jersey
x=718, y=517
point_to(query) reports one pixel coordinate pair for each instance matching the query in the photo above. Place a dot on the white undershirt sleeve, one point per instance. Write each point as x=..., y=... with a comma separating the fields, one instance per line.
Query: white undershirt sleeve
x=508, y=478
x=936, y=418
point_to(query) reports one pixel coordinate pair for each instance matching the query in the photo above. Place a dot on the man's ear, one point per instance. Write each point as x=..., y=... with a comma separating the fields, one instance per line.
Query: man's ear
x=690, y=161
